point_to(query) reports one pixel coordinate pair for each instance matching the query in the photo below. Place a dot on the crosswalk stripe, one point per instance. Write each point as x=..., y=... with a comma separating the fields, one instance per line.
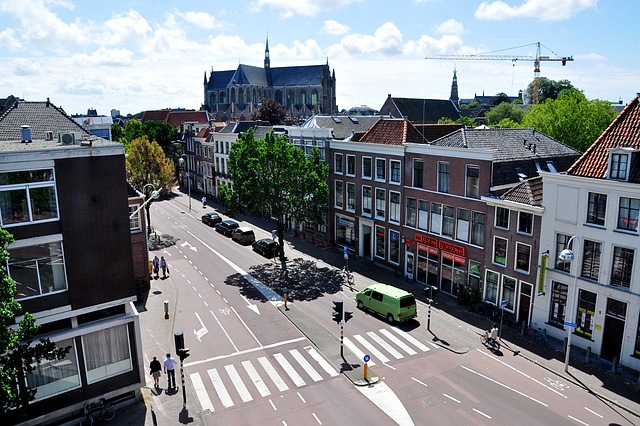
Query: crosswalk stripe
x=357, y=351
x=323, y=362
x=297, y=380
x=220, y=389
x=201, y=392
x=305, y=365
x=397, y=341
x=256, y=379
x=411, y=339
x=238, y=383
x=273, y=374
x=375, y=352
x=385, y=345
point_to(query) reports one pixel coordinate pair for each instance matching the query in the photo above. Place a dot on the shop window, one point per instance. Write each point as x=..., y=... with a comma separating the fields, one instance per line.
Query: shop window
x=591, y=260
x=345, y=231
x=622, y=267
x=558, y=303
x=423, y=214
x=586, y=312
x=453, y=274
x=394, y=247
x=500, y=251
x=491, y=287
x=410, y=219
x=106, y=353
x=509, y=292
x=380, y=242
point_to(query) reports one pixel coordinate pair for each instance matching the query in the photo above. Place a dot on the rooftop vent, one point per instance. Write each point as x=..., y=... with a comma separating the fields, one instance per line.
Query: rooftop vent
x=48, y=135
x=25, y=133
x=67, y=138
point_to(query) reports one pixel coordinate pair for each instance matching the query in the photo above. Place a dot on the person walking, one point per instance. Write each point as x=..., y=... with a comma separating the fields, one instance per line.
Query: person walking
x=170, y=370
x=155, y=370
x=163, y=265
x=204, y=201
x=156, y=267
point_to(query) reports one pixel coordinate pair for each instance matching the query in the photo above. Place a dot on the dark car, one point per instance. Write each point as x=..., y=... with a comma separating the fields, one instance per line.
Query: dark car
x=266, y=247
x=211, y=219
x=226, y=227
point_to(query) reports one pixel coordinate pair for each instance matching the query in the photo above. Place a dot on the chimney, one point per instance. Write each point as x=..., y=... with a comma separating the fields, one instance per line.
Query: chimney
x=25, y=133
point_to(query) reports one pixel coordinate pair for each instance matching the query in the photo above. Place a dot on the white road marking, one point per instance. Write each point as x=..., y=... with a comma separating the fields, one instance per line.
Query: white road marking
x=375, y=352
x=316, y=417
x=411, y=339
x=256, y=379
x=224, y=331
x=273, y=405
x=251, y=306
x=246, y=351
x=194, y=288
x=423, y=384
x=305, y=365
x=301, y=398
x=199, y=295
x=273, y=374
x=576, y=420
x=205, y=303
x=320, y=360
x=246, y=326
x=201, y=392
x=394, y=353
x=504, y=386
x=385, y=399
x=397, y=341
x=220, y=389
x=202, y=331
x=357, y=351
x=481, y=413
x=451, y=398
x=593, y=412
x=238, y=383
x=295, y=377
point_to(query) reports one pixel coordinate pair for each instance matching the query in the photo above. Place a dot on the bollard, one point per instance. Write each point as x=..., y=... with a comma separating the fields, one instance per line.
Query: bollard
x=588, y=358
x=524, y=328
x=365, y=371
x=614, y=369
x=284, y=290
x=166, y=309
x=564, y=346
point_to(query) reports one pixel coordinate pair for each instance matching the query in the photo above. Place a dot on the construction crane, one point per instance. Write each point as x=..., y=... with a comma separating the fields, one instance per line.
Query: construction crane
x=535, y=59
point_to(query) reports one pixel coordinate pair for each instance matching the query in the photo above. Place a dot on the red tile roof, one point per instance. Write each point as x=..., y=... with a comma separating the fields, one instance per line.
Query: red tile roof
x=178, y=117
x=204, y=132
x=394, y=131
x=624, y=131
x=157, y=115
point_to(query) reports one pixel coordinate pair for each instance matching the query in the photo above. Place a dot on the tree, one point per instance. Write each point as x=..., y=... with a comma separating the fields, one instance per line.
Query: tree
x=468, y=121
x=161, y=132
x=549, y=89
x=499, y=98
x=571, y=119
x=270, y=110
x=147, y=164
x=20, y=356
x=505, y=111
x=273, y=177
x=116, y=132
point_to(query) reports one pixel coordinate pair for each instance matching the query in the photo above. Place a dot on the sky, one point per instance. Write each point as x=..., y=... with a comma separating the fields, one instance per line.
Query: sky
x=140, y=55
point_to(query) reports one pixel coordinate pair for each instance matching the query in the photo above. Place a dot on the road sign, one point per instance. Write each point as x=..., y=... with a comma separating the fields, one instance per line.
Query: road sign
x=274, y=234
x=346, y=253
x=570, y=324
x=504, y=303
x=366, y=358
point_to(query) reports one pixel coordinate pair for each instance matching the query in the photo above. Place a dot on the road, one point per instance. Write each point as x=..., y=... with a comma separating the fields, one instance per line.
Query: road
x=249, y=364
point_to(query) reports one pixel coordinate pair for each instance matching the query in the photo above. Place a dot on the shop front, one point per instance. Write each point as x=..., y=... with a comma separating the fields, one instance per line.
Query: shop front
x=346, y=231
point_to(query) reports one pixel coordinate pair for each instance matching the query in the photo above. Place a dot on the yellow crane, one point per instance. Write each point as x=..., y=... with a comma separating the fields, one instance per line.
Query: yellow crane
x=536, y=63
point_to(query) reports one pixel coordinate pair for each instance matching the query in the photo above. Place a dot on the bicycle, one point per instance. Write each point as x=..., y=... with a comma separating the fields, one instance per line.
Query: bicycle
x=489, y=343
x=348, y=276
x=487, y=310
x=106, y=410
x=539, y=335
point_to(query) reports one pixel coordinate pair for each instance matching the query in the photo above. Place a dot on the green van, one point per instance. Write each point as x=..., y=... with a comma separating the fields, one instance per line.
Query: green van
x=390, y=302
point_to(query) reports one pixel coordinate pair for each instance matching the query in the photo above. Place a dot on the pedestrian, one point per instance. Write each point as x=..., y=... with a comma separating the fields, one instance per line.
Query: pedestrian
x=204, y=201
x=163, y=265
x=155, y=369
x=169, y=369
x=156, y=267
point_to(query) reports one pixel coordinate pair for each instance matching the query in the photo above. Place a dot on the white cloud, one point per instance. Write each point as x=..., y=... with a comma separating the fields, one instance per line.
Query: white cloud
x=544, y=10
x=387, y=41
x=450, y=26
x=24, y=67
x=427, y=45
x=9, y=41
x=334, y=28
x=300, y=7
x=591, y=57
x=201, y=19
x=125, y=29
x=298, y=51
x=104, y=56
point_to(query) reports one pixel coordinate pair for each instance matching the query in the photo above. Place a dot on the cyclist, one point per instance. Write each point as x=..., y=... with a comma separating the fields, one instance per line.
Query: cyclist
x=493, y=335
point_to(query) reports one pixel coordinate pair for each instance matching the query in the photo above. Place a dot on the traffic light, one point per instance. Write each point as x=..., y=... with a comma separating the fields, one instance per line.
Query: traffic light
x=347, y=316
x=179, y=340
x=337, y=311
x=183, y=353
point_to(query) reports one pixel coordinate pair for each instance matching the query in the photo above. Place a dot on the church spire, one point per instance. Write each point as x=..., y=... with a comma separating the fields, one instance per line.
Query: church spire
x=454, y=89
x=267, y=60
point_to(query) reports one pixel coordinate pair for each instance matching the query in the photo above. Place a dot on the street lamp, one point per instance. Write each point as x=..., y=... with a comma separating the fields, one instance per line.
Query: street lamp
x=567, y=255
x=182, y=162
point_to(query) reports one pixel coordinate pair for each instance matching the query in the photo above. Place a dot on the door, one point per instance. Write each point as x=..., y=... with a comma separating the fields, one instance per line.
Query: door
x=366, y=242
x=525, y=302
x=613, y=329
x=408, y=265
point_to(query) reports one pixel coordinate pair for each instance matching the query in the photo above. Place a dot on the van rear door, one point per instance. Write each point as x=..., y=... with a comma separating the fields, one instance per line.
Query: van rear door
x=407, y=308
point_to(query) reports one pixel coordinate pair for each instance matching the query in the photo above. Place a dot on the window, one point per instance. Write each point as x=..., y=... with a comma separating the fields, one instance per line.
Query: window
x=51, y=377
x=337, y=163
x=37, y=269
x=381, y=200
x=637, y=348
x=523, y=257
x=491, y=286
x=351, y=196
x=508, y=292
x=525, y=223
x=502, y=218
x=558, y=303
x=394, y=206
x=418, y=173
x=106, y=353
x=462, y=225
x=436, y=218
x=443, y=177
x=628, y=214
x=345, y=231
x=622, y=267
x=447, y=221
x=410, y=218
x=619, y=166
x=586, y=311
x=561, y=244
x=591, y=260
x=477, y=229
x=28, y=196
x=380, y=247
x=597, y=208
x=500, y=251
x=134, y=221
x=366, y=200
x=366, y=167
x=395, y=171
x=380, y=169
x=423, y=214
x=473, y=182
x=394, y=247
x=351, y=165
x=339, y=194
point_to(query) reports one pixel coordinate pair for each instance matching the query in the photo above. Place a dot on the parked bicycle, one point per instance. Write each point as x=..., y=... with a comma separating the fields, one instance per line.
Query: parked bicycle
x=106, y=411
x=488, y=310
x=539, y=335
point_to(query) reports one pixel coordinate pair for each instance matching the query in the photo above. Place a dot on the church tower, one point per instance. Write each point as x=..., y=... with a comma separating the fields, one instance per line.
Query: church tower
x=454, y=89
x=267, y=63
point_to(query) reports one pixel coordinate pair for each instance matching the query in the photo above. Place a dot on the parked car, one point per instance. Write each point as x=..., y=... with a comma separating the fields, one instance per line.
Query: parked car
x=243, y=235
x=226, y=227
x=392, y=303
x=266, y=247
x=211, y=219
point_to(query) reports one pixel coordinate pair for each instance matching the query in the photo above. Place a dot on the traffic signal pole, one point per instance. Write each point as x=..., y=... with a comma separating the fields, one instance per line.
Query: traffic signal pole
x=184, y=389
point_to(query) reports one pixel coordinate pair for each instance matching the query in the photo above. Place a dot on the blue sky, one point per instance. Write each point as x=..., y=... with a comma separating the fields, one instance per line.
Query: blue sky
x=138, y=55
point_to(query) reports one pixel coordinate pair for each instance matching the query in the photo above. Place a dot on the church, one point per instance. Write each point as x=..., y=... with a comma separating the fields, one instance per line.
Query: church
x=303, y=90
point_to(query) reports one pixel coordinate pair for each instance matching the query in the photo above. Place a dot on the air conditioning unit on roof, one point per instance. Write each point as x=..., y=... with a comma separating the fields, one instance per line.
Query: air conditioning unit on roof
x=67, y=138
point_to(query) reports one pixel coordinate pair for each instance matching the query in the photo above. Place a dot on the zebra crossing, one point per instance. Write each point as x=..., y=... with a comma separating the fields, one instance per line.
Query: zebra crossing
x=235, y=384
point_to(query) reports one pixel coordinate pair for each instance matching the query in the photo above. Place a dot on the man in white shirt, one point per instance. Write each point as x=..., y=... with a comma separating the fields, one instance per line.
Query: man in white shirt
x=169, y=369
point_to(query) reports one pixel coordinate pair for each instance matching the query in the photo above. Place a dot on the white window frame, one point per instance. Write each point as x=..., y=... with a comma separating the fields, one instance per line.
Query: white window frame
x=346, y=205
x=441, y=175
x=495, y=221
x=413, y=173
x=533, y=218
x=394, y=207
x=461, y=234
x=134, y=221
x=383, y=168
x=435, y=227
x=353, y=158
x=384, y=204
x=371, y=168
x=339, y=204
x=337, y=155
x=364, y=204
x=515, y=260
x=391, y=180
x=466, y=181
x=506, y=251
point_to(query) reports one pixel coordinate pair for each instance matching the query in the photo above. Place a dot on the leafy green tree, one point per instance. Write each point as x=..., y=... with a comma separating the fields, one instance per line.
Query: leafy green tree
x=508, y=123
x=116, y=132
x=273, y=177
x=499, y=98
x=571, y=118
x=19, y=355
x=468, y=121
x=549, y=89
x=270, y=110
x=161, y=132
x=147, y=164
x=505, y=111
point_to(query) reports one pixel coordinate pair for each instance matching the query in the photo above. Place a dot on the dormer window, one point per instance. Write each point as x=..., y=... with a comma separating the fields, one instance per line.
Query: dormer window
x=619, y=166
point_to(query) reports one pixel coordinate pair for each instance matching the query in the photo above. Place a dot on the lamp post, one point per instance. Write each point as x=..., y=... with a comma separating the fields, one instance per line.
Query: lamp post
x=153, y=195
x=567, y=255
x=182, y=162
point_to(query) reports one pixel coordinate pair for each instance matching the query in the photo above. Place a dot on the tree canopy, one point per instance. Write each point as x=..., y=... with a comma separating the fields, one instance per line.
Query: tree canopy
x=549, y=89
x=270, y=110
x=160, y=131
x=273, y=177
x=505, y=111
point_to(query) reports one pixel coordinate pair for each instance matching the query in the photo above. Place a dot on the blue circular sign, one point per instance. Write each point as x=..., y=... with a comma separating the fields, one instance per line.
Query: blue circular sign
x=367, y=358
